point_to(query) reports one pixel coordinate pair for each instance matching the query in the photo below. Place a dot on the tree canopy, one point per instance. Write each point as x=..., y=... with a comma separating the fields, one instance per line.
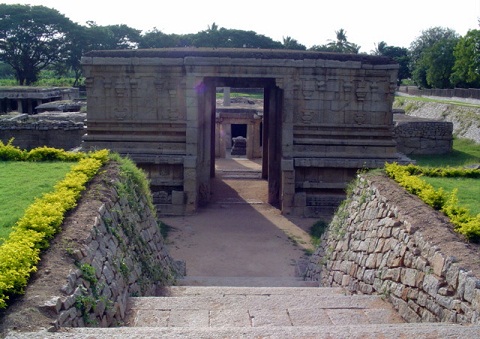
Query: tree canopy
x=466, y=70
x=339, y=45
x=431, y=57
x=32, y=38
x=399, y=54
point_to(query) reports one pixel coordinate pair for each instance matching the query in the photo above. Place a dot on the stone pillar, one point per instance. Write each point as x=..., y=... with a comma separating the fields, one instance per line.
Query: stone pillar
x=274, y=145
x=226, y=96
x=20, y=106
x=288, y=186
x=257, y=149
x=193, y=136
x=220, y=147
x=250, y=140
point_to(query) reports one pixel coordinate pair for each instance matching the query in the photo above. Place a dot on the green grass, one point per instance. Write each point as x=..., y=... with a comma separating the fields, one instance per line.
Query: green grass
x=468, y=190
x=22, y=182
x=465, y=152
x=243, y=95
x=400, y=100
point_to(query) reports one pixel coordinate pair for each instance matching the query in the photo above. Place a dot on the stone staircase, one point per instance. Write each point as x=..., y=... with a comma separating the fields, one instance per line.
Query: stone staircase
x=262, y=312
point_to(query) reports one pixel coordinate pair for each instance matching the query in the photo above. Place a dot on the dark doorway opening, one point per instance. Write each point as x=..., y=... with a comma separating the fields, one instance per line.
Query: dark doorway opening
x=239, y=130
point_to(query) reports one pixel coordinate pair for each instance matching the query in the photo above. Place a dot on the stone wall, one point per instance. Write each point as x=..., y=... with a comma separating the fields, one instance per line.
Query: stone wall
x=127, y=254
x=422, y=136
x=386, y=241
x=58, y=134
x=110, y=249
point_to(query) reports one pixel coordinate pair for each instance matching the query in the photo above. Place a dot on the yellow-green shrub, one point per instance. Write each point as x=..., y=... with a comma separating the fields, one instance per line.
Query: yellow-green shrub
x=19, y=254
x=9, y=152
x=408, y=177
x=45, y=153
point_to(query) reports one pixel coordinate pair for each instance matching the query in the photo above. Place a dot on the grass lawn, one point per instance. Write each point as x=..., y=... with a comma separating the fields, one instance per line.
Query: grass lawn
x=468, y=190
x=243, y=95
x=20, y=183
x=465, y=152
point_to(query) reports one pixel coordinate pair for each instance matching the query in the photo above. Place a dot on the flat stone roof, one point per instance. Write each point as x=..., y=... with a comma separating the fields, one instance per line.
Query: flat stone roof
x=30, y=92
x=243, y=53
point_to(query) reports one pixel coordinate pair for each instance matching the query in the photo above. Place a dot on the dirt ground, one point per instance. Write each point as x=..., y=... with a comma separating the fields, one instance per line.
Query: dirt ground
x=239, y=234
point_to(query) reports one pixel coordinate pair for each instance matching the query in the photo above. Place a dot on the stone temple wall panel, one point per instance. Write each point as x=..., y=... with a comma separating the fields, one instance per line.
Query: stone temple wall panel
x=155, y=105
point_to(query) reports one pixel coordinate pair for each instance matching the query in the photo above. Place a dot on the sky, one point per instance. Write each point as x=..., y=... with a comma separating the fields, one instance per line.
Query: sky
x=310, y=22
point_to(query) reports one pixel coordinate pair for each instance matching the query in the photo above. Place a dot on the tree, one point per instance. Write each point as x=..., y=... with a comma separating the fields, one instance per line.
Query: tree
x=232, y=38
x=289, y=43
x=111, y=37
x=158, y=39
x=380, y=48
x=466, y=70
x=31, y=39
x=341, y=44
x=399, y=54
x=426, y=59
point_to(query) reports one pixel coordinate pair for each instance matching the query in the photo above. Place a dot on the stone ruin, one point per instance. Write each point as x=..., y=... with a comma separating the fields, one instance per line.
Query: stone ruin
x=325, y=116
x=25, y=99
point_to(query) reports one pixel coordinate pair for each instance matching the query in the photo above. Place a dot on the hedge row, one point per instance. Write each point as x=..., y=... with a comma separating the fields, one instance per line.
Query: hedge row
x=20, y=252
x=10, y=152
x=408, y=177
x=443, y=172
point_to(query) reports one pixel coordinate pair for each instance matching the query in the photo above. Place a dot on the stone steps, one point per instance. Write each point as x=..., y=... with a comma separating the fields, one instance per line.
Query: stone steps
x=405, y=330
x=262, y=312
x=246, y=281
x=258, y=307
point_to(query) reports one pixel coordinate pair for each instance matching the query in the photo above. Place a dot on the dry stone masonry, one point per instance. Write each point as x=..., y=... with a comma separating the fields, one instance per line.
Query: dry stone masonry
x=422, y=136
x=123, y=256
x=385, y=241
x=325, y=116
x=29, y=134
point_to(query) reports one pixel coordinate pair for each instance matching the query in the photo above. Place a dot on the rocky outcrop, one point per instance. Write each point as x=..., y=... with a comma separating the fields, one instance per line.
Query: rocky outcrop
x=385, y=241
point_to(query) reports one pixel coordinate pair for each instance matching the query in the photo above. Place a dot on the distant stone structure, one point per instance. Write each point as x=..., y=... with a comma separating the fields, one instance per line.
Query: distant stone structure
x=422, y=136
x=25, y=99
x=325, y=116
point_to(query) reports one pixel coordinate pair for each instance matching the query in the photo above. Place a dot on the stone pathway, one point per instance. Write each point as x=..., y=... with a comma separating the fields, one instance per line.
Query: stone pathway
x=239, y=234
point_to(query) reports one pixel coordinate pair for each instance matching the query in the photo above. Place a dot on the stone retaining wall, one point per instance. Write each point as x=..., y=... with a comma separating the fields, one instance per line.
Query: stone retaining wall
x=110, y=248
x=123, y=256
x=422, y=136
x=386, y=241
x=28, y=135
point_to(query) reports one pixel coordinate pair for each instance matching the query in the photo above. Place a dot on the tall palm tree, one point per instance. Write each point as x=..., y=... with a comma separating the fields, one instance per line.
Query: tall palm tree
x=341, y=44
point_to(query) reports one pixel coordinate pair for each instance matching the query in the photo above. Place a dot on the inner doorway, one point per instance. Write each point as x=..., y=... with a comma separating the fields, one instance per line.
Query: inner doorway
x=269, y=130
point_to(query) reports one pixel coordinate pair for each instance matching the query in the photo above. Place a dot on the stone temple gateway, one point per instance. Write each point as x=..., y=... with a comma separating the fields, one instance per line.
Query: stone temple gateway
x=325, y=116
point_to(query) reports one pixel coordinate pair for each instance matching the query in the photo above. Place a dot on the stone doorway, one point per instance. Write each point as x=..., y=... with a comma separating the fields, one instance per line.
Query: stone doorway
x=268, y=149
x=326, y=116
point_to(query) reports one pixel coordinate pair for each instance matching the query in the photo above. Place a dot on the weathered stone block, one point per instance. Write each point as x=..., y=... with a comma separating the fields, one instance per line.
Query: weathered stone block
x=408, y=276
x=431, y=284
